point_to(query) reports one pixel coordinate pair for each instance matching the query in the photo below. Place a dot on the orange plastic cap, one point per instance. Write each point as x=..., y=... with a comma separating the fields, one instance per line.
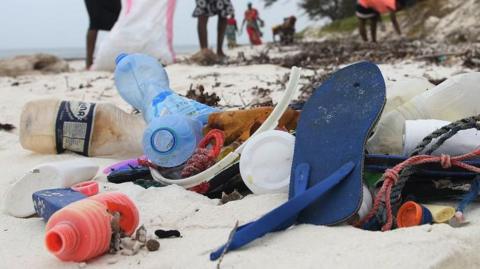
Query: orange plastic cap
x=409, y=214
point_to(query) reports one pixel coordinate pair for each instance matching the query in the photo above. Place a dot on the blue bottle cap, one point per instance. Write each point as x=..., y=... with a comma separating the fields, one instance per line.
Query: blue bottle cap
x=170, y=140
x=120, y=57
x=163, y=140
x=427, y=217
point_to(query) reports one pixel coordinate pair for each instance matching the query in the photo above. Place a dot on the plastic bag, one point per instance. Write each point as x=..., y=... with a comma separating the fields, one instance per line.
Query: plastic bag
x=144, y=26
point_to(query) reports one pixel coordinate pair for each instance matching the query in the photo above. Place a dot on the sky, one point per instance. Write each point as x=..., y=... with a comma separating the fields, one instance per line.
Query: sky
x=27, y=24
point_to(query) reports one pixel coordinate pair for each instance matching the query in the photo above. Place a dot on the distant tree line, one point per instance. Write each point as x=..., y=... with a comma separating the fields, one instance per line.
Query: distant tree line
x=333, y=9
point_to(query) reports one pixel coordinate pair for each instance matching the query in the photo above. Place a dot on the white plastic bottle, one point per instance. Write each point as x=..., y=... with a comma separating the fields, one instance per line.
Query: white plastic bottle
x=18, y=200
x=456, y=98
x=401, y=91
x=52, y=126
x=461, y=143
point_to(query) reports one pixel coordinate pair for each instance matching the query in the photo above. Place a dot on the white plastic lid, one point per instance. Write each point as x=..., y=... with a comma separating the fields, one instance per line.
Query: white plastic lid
x=266, y=162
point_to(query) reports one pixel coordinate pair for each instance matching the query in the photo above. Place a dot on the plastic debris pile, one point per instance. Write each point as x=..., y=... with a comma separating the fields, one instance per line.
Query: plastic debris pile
x=413, y=160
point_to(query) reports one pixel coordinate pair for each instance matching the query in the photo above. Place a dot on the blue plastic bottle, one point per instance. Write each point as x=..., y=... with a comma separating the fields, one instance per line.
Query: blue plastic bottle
x=174, y=122
x=139, y=79
x=169, y=140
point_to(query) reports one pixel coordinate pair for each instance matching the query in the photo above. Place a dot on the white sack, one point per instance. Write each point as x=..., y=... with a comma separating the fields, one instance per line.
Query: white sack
x=144, y=26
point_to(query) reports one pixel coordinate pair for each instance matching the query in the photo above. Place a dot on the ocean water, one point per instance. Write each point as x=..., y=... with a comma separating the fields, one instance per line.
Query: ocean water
x=76, y=53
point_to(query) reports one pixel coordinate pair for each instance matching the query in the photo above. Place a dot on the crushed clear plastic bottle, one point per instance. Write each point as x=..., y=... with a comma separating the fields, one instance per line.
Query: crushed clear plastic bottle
x=174, y=122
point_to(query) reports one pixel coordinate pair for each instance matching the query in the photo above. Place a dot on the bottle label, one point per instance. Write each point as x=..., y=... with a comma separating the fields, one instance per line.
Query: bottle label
x=168, y=103
x=163, y=140
x=74, y=126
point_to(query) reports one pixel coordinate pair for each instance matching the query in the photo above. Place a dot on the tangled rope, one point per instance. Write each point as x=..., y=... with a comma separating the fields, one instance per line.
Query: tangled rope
x=394, y=179
x=445, y=133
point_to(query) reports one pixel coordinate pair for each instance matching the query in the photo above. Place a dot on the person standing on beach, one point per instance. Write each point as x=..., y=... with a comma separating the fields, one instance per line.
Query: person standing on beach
x=231, y=32
x=102, y=14
x=370, y=10
x=208, y=8
x=253, y=21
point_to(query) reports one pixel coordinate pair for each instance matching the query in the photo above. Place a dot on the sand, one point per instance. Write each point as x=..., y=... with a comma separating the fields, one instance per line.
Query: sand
x=205, y=225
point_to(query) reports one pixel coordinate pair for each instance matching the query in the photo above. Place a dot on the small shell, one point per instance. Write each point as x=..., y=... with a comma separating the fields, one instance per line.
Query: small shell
x=153, y=245
x=141, y=234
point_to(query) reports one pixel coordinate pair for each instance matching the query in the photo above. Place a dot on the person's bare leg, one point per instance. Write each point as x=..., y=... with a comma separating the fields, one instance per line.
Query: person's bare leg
x=221, y=27
x=202, y=32
x=373, y=28
x=91, y=40
x=362, y=29
x=396, y=26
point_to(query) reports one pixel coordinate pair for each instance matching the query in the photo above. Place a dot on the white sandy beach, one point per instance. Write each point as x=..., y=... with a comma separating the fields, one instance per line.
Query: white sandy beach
x=203, y=223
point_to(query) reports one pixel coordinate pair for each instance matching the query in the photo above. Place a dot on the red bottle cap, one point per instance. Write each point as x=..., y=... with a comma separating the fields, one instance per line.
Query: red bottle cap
x=88, y=188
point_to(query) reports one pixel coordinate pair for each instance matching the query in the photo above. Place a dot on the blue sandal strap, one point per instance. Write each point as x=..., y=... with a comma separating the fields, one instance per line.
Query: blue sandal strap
x=282, y=216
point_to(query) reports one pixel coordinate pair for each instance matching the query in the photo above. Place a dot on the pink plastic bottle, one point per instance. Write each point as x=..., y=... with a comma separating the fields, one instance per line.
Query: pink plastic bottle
x=82, y=230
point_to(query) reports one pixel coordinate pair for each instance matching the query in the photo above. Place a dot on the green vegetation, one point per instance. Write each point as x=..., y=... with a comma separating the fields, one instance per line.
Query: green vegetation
x=332, y=9
x=421, y=11
x=412, y=18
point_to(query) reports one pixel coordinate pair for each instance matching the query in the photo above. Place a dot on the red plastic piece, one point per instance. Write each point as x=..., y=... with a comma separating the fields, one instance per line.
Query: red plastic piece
x=89, y=188
x=218, y=138
x=203, y=158
x=201, y=188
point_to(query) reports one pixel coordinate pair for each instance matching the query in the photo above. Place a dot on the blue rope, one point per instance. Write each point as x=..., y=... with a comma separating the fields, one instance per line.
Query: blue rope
x=470, y=196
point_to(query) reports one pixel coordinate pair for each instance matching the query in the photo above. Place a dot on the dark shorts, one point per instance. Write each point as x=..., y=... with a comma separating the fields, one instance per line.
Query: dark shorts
x=209, y=8
x=365, y=13
x=405, y=3
x=103, y=13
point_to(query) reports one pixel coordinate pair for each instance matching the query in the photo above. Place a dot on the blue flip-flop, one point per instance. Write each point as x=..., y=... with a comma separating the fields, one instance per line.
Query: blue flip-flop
x=332, y=130
x=326, y=176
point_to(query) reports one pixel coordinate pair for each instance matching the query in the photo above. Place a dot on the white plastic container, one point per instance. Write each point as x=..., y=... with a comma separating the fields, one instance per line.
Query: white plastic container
x=51, y=126
x=463, y=142
x=266, y=162
x=63, y=174
x=454, y=99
